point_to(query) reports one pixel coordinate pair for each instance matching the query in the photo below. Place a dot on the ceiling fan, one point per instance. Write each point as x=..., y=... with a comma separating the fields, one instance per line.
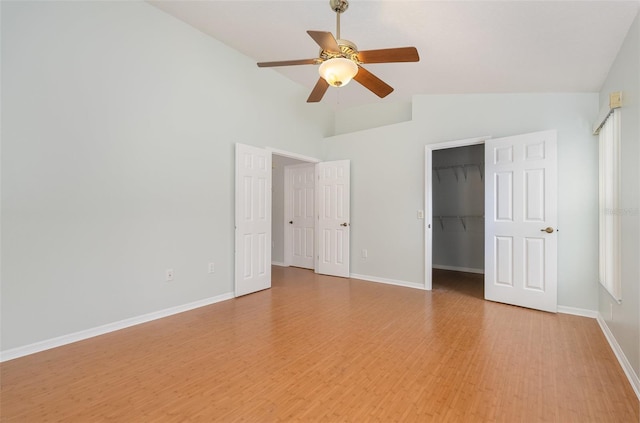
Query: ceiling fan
x=340, y=61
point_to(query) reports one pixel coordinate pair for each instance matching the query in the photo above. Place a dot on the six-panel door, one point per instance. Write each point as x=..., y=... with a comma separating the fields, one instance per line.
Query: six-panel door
x=521, y=220
x=253, y=220
x=333, y=229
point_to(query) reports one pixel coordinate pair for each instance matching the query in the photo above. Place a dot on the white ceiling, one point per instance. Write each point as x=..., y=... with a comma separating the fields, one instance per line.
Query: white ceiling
x=464, y=46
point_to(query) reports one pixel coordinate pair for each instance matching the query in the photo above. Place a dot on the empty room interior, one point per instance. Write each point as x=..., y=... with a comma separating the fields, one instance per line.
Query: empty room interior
x=320, y=210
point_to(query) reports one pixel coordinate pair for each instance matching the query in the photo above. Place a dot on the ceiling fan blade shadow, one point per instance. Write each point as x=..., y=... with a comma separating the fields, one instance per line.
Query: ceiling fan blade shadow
x=318, y=91
x=373, y=83
x=325, y=40
x=288, y=63
x=389, y=55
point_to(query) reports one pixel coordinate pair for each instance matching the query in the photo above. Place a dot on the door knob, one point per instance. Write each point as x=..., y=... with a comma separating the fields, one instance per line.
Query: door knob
x=344, y=224
x=291, y=222
x=548, y=230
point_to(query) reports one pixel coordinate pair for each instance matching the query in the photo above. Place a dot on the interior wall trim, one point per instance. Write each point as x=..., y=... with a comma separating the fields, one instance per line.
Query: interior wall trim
x=387, y=281
x=59, y=341
x=622, y=359
x=593, y=314
x=458, y=269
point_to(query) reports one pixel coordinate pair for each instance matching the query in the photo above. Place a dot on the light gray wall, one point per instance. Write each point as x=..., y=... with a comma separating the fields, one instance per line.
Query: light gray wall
x=370, y=116
x=118, y=132
x=625, y=76
x=454, y=244
x=387, y=176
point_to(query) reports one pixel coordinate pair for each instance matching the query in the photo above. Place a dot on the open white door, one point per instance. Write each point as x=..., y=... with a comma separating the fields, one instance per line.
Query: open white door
x=299, y=215
x=253, y=220
x=521, y=220
x=333, y=196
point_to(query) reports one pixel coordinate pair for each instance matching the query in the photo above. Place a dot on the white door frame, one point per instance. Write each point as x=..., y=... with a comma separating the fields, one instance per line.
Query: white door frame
x=291, y=155
x=428, y=202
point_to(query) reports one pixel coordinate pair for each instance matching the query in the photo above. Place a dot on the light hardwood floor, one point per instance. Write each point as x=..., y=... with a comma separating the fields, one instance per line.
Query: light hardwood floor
x=318, y=348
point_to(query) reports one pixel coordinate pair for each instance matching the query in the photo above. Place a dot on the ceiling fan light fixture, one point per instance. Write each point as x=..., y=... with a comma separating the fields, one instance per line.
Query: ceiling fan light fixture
x=338, y=71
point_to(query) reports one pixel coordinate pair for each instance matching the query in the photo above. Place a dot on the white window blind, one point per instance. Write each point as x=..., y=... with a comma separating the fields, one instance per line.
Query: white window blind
x=609, y=143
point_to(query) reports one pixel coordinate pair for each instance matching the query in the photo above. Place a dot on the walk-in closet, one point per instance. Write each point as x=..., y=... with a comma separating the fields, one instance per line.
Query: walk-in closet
x=458, y=209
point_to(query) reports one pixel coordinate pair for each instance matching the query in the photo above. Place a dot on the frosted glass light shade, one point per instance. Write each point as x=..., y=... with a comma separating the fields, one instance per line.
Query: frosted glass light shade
x=338, y=71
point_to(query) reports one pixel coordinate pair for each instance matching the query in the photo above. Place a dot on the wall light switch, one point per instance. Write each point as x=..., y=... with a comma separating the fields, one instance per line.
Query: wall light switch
x=169, y=274
x=420, y=214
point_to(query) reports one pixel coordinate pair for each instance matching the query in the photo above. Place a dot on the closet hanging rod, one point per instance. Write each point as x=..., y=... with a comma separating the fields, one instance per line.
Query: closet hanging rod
x=458, y=165
x=463, y=166
x=458, y=216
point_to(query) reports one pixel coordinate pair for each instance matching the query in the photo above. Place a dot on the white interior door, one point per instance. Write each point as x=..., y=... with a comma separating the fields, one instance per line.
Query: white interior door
x=300, y=214
x=333, y=196
x=253, y=220
x=521, y=220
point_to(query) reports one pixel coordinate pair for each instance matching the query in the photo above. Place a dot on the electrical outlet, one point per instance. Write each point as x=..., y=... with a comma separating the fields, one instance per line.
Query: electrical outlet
x=212, y=267
x=169, y=274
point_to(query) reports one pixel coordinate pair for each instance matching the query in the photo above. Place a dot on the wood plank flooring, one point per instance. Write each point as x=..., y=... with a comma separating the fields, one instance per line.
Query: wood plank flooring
x=318, y=348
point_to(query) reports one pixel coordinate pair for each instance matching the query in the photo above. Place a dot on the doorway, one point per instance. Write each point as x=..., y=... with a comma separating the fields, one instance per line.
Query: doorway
x=453, y=218
x=253, y=217
x=520, y=214
x=458, y=216
x=292, y=223
x=458, y=210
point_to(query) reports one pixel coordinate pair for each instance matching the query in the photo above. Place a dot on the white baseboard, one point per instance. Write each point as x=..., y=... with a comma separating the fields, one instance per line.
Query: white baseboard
x=622, y=359
x=458, y=269
x=109, y=327
x=279, y=263
x=387, y=281
x=578, y=311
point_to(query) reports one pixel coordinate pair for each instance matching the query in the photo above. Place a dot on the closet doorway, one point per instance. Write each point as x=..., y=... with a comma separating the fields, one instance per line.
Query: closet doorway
x=520, y=217
x=454, y=193
x=458, y=209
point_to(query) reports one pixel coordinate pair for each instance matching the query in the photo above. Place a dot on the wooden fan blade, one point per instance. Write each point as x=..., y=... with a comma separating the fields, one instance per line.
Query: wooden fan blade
x=325, y=40
x=389, y=55
x=288, y=63
x=318, y=91
x=372, y=83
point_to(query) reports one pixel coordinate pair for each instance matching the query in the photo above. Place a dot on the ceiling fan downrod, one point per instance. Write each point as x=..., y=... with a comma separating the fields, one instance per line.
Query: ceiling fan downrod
x=338, y=6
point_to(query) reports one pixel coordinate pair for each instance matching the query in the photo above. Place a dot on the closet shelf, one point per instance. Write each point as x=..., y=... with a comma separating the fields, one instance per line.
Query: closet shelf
x=462, y=219
x=463, y=166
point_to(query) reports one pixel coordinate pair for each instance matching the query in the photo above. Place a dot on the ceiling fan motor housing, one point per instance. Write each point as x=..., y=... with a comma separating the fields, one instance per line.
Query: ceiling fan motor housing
x=348, y=50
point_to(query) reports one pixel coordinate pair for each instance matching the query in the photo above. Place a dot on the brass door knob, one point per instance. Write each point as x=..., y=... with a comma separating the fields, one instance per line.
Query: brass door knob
x=548, y=230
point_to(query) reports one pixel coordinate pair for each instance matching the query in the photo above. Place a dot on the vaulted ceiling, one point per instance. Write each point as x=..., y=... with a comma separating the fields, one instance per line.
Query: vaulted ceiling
x=464, y=46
